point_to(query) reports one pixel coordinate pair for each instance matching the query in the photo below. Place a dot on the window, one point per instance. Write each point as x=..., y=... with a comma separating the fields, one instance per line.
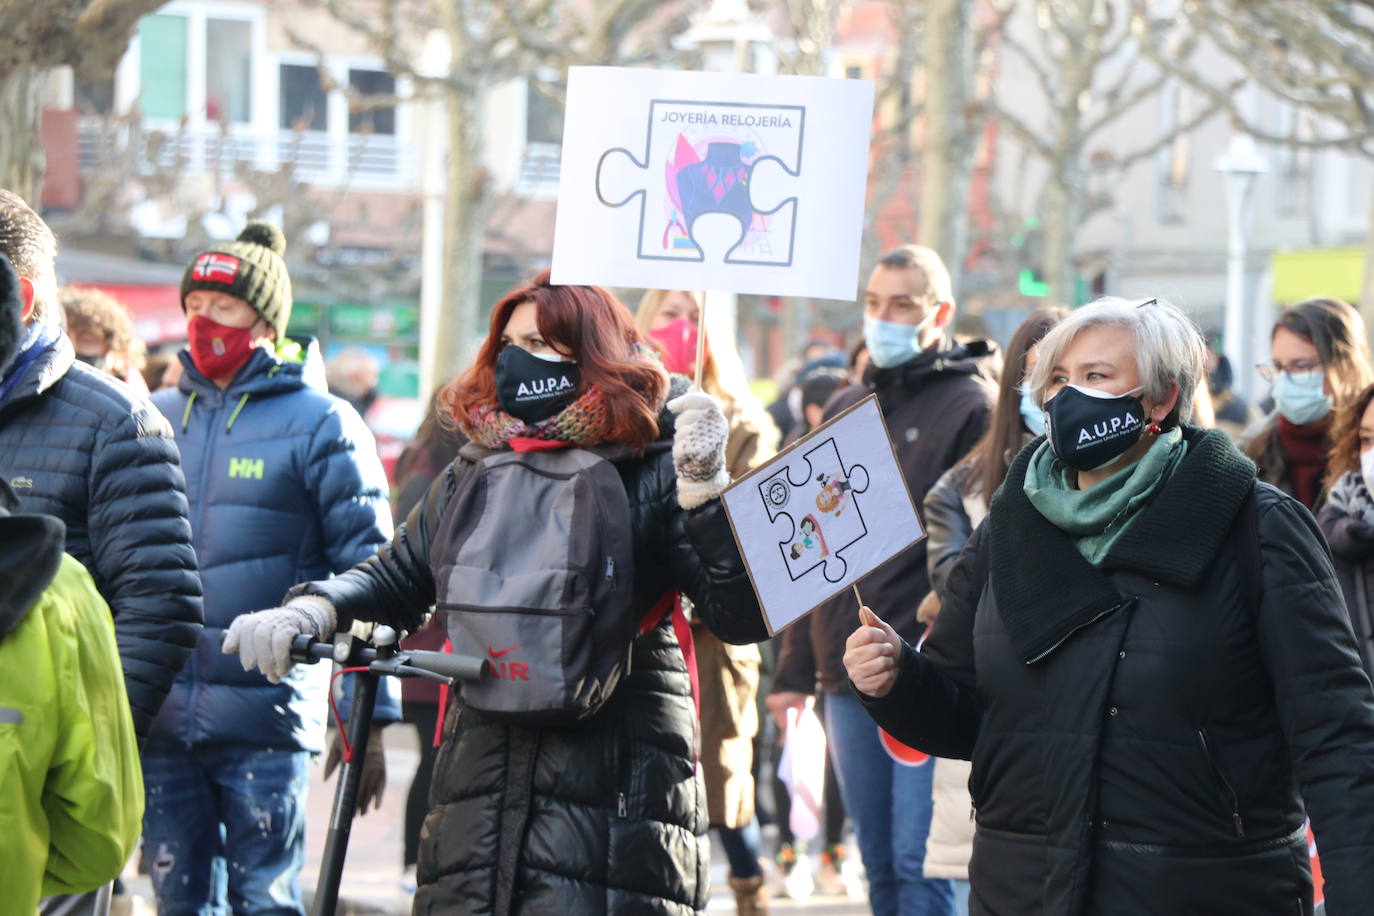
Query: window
x=162, y=66
x=228, y=70
x=1292, y=193
x=94, y=98
x=303, y=103
x=1175, y=158
x=376, y=120
x=543, y=118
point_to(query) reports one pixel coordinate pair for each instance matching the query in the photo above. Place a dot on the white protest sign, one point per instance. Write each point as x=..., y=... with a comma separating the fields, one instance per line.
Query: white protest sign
x=822, y=514
x=724, y=181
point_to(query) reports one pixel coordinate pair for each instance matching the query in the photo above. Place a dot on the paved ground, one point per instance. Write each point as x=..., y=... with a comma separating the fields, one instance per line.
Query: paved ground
x=372, y=877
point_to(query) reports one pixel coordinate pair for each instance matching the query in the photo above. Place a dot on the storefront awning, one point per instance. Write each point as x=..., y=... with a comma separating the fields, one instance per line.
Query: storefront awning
x=150, y=291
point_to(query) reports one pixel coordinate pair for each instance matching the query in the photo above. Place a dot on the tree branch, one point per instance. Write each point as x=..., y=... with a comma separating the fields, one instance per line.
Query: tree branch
x=1123, y=163
x=97, y=34
x=1029, y=137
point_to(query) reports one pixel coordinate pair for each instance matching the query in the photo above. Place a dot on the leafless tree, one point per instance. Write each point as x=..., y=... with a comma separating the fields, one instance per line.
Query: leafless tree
x=491, y=42
x=1089, y=68
x=88, y=35
x=897, y=107
x=1315, y=55
x=959, y=41
x=812, y=27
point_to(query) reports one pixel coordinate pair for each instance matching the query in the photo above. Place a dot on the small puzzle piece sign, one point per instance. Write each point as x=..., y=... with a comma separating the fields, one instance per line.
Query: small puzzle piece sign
x=733, y=182
x=822, y=514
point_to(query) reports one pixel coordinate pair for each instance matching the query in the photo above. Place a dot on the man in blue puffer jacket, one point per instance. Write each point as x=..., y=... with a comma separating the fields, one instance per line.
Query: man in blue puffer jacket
x=78, y=445
x=285, y=486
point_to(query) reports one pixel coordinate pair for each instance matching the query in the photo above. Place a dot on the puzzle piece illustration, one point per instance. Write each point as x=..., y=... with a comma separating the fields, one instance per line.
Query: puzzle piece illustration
x=702, y=159
x=814, y=501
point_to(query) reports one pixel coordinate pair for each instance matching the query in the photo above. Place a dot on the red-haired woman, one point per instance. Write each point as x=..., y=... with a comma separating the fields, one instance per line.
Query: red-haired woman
x=606, y=815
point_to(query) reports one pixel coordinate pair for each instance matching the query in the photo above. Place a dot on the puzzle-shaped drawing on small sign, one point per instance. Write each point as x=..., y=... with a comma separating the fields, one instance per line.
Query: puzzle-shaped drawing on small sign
x=814, y=501
x=739, y=160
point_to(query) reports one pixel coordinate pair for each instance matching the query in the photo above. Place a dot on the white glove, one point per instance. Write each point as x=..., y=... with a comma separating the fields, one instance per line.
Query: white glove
x=263, y=639
x=699, y=448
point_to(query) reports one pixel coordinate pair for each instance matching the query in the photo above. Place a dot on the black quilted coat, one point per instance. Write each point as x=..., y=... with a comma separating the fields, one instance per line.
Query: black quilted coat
x=606, y=817
x=1148, y=735
x=79, y=445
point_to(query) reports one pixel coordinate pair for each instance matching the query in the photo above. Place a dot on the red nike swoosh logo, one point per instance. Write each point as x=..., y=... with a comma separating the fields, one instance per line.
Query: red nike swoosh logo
x=494, y=654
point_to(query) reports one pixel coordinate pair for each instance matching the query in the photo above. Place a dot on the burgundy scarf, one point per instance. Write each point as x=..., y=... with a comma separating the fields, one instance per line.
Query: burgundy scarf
x=1304, y=449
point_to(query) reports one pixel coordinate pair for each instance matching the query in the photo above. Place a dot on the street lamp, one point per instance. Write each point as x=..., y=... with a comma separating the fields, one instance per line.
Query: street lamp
x=728, y=34
x=1241, y=164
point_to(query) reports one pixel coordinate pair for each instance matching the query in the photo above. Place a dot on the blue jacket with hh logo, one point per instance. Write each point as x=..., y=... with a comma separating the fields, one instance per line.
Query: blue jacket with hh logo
x=285, y=486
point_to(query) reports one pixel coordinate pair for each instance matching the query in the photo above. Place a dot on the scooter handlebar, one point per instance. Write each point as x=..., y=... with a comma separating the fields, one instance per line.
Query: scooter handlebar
x=441, y=666
x=458, y=667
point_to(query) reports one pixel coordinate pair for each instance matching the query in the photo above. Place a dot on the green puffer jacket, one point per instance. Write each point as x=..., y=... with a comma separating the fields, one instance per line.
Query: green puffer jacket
x=73, y=791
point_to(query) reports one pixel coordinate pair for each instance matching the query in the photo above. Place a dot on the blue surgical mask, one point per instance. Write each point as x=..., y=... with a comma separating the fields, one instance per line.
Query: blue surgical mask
x=891, y=344
x=1302, y=398
x=1031, y=414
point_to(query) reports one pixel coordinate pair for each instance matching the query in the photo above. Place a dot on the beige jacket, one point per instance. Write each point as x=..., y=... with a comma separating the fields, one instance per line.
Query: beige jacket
x=729, y=675
x=950, y=843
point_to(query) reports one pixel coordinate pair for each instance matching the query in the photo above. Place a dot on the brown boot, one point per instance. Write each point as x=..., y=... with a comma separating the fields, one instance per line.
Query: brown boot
x=751, y=897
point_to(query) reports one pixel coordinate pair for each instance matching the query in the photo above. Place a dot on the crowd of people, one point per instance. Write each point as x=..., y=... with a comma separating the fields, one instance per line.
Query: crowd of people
x=1129, y=662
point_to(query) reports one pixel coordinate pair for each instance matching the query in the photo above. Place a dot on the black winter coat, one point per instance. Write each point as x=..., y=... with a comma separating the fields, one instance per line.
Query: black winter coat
x=1350, y=533
x=936, y=408
x=608, y=816
x=79, y=445
x=1140, y=731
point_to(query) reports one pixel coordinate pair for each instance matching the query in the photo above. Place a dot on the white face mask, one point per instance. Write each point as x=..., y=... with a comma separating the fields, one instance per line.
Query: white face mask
x=1367, y=468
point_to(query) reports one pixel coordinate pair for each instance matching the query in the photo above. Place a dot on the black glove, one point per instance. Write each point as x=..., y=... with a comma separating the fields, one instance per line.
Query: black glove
x=372, y=786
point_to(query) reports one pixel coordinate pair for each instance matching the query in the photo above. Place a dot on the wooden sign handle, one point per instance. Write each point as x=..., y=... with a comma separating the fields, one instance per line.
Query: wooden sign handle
x=701, y=342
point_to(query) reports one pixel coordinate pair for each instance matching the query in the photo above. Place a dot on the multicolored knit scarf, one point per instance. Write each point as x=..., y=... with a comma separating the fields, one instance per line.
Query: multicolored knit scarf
x=582, y=423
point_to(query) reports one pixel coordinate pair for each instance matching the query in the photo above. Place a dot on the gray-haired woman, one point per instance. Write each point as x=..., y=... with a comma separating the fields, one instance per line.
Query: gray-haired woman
x=1144, y=653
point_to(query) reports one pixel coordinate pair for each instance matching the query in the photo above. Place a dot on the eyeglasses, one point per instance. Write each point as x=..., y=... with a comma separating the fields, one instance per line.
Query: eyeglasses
x=1271, y=371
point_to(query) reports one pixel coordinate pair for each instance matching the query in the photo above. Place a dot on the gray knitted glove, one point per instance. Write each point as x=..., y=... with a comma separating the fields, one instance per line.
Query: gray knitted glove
x=263, y=639
x=699, y=448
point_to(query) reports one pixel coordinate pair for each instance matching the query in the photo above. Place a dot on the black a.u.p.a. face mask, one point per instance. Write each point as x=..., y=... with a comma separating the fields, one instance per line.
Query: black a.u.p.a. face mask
x=1089, y=429
x=534, y=388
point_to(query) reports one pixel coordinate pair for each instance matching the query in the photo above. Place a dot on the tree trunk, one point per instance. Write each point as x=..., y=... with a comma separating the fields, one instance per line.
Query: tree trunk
x=22, y=160
x=1367, y=287
x=947, y=160
x=465, y=205
x=1066, y=190
x=1063, y=204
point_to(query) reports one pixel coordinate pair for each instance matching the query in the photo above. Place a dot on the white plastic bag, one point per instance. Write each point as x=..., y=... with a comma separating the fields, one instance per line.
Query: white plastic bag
x=802, y=769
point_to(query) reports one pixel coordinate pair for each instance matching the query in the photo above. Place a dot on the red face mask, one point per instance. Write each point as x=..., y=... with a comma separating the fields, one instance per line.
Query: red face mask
x=679, y=339
x=217, y=349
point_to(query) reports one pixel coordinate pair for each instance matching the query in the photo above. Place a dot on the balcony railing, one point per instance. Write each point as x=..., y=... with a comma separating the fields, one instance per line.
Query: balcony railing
x=367, y=160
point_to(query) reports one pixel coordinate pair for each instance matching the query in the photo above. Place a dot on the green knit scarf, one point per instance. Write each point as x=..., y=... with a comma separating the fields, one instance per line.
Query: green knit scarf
x=1097, y=516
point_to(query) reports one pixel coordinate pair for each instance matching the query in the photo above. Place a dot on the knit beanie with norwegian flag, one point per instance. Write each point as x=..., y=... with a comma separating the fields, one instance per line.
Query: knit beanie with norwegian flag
x=250, y=268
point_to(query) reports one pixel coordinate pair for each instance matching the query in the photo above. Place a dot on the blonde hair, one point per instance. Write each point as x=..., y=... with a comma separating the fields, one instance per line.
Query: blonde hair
x=723, y=373
x=1169, y=349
